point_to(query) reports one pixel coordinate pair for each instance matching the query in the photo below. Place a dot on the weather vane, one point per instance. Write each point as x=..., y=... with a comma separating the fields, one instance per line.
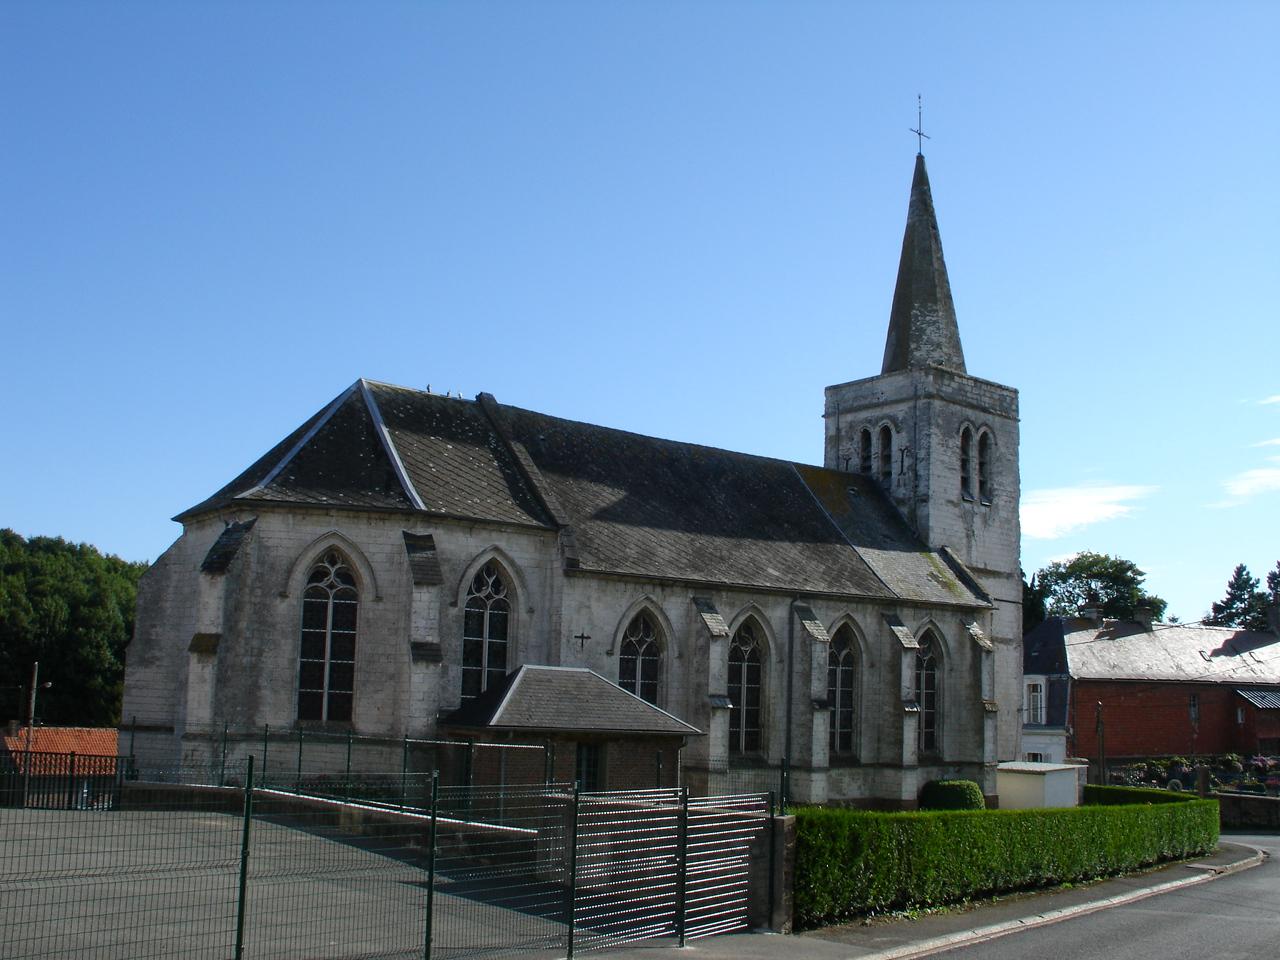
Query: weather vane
x=918, y=129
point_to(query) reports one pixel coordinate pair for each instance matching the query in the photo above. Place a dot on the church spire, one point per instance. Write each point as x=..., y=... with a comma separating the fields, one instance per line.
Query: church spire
x=922, y=322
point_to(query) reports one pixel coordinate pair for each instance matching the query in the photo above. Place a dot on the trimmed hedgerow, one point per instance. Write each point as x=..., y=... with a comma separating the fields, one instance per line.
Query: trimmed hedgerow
x=851, y=863
x=952, y=795
x=1110, y=796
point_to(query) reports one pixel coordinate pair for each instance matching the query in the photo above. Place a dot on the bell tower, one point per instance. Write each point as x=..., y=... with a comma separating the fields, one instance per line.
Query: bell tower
x=942, y=444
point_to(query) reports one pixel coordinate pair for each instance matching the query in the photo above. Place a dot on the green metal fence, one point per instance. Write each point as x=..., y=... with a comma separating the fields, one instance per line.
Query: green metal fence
x=178, y=866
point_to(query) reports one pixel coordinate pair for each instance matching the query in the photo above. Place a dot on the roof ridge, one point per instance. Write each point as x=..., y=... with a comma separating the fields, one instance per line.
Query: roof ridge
x=388, y=445
x=334, y=406
x=840, y=530
x=597, y=426
x=492, y=410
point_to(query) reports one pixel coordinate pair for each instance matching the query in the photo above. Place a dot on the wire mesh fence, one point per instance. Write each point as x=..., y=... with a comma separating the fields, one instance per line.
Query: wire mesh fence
x=349, y=766
x=167, y=864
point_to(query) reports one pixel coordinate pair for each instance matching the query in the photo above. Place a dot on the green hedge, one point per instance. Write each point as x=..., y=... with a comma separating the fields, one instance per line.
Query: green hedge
x=952, y=795
x=1111, y=796
x=851, y=863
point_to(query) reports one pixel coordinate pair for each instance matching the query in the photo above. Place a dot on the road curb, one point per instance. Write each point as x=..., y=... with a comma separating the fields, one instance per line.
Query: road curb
x=995, y=931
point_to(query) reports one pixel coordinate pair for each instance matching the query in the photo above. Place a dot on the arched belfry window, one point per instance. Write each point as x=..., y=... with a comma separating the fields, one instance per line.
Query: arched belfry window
x=966, y=463
x=640, y=658
x=864, y=452
x=327, y=655
x=485, y=626
x=746, y=674
x=842, y=692
x=886, y=455
x=984, y=466
x=926, y=692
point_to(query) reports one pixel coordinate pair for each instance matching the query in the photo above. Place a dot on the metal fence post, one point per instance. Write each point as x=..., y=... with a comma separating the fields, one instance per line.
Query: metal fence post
x=346, y=783
x=133, y=734
x=682, y=862
x=71, y=783
x=573, y=871
x=297, y=780
x=773, y=852
x=404, y=769
x=244, y=857
x=431, y=863
x=266, y=731
x=784, y=785
x=658, y=783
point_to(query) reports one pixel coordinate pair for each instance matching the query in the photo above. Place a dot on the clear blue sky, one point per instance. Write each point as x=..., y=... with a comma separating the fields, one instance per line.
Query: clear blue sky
x=676, y=218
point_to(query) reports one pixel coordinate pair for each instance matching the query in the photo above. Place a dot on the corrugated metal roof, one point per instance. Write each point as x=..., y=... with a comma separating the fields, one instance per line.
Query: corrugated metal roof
x=1122, y=650
x=1262, y=699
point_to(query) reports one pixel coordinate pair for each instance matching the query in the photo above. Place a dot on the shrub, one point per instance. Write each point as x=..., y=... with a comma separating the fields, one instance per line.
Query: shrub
x=851, y=862
x=1097, y=796
x=952, y=795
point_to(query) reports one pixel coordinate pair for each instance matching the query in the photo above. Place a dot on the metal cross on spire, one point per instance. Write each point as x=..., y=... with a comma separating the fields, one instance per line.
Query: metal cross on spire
x=918, y=129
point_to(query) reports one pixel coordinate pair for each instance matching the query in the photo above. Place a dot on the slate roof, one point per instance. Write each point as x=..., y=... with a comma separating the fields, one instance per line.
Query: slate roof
x=1120, y=650
x=565, y=699
x=922, y=322
x=83, y=741
x=622, y=502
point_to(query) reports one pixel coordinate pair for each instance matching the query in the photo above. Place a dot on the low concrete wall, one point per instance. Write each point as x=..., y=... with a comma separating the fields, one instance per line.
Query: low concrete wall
x=1248, y=810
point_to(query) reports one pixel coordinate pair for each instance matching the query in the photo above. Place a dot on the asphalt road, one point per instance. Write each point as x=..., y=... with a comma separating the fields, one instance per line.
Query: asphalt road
x=1236, y=916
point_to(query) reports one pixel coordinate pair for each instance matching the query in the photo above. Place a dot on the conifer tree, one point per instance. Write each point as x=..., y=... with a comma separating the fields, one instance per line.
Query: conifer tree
x=1244, y=606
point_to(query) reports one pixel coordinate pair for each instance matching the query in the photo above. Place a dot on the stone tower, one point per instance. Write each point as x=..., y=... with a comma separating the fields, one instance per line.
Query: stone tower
x=942, y=443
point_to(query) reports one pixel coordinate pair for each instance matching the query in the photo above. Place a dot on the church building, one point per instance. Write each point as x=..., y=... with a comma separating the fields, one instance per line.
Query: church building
x=407, y=564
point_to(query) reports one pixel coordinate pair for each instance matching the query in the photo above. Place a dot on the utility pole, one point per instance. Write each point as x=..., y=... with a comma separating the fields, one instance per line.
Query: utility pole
x=31, y=722
x=1102, y=748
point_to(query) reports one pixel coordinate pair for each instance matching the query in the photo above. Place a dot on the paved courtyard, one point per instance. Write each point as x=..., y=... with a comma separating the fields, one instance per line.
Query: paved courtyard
x=133, y=885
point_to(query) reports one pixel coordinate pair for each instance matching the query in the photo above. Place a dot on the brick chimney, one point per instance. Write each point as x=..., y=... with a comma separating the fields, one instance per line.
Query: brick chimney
x=1091, y=609
x=1145, y=614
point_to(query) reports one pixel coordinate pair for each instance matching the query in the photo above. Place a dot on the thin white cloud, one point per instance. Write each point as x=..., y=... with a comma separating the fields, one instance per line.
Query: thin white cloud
x=1250, y=483
x=1267, y=443
x=1049, y=514
x=1275, y=399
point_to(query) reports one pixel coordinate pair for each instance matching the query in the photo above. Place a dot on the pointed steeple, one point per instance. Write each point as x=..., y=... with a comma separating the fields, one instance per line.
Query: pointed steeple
x=922, y=323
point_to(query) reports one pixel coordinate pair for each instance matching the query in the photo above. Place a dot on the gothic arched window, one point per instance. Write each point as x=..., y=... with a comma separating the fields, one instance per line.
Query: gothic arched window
x=485, y=626
x=327, y=654
x=984, y=466
x=927, y=694
x=886, y=455
x=864, y=452
x=640, y=659
x=966, y=463
x=842, y=680
x=745, y=683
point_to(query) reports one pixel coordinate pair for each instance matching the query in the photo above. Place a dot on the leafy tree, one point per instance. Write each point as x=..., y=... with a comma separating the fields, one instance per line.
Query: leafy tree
x=1115, y=584
x=72, y=609
x=1245, y=605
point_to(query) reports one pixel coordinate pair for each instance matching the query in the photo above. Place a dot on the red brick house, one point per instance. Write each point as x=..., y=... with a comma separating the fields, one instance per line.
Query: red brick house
x=1161, y=689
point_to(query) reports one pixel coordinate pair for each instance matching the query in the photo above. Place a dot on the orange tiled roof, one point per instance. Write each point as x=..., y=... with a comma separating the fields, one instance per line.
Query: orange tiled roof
x=86, y=741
